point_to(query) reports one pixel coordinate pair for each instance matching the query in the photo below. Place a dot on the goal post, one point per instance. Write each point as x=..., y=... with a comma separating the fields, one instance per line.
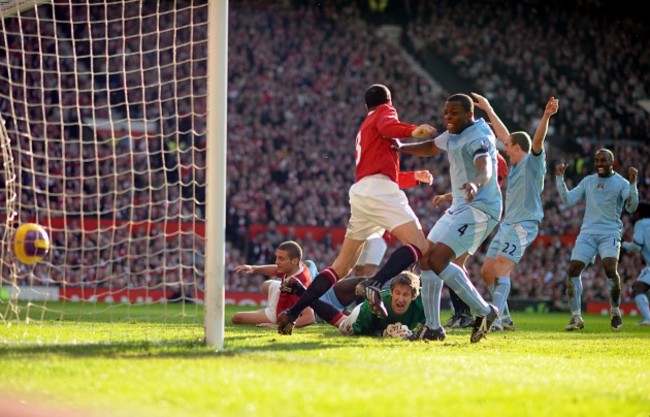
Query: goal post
x=215, y=250
x=115, y=117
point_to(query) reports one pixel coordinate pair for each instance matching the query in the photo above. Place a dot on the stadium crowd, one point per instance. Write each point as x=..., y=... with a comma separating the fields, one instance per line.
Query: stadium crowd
x=295, y=78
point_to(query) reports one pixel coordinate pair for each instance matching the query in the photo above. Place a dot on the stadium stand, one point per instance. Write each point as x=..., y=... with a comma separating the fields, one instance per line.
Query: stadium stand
x=295, y=76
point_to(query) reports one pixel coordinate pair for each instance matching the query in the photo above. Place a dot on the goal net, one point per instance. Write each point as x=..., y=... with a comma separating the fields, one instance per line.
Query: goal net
x=104, y=109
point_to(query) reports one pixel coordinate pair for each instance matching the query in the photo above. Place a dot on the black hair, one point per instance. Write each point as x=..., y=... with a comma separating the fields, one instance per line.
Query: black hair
x=464, y=100
x=376, y=95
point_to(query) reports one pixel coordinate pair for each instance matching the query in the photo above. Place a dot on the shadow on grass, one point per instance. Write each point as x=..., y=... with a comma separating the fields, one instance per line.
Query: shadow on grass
x=237, y=344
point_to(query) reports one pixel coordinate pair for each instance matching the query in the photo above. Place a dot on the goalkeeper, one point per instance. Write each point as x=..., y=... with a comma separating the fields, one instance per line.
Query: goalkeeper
x=404, y=306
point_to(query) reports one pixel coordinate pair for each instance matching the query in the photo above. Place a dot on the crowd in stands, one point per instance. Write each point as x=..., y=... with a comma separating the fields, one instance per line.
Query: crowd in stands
x=296, y=77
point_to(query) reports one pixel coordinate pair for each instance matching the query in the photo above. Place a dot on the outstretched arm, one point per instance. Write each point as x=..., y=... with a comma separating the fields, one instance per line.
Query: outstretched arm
x=500, y=129
x=638, y=239
x=422, y=149
x=268, y=270
x=410, y=179
x=631, y=246
x=542, y=128
x=567, y=197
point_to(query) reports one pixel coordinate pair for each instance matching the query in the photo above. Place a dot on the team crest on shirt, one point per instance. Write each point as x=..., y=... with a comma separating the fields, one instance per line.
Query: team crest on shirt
x=600, y=185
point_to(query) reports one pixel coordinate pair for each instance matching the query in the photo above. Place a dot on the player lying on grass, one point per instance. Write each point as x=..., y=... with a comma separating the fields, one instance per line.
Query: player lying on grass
x=288, y=265
x=403, y=305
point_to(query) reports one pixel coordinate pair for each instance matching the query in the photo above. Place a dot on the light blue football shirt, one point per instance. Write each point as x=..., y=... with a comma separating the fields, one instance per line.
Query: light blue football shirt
x=525, y=186
x=642, y=238
x=604, y=197
x=462, y=150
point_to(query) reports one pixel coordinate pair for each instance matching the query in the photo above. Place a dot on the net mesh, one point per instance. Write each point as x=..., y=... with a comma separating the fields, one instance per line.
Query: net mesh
x=104, y=106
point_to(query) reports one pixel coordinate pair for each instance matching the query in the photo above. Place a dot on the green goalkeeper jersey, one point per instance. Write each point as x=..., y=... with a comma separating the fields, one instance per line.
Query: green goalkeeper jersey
x=369, y=324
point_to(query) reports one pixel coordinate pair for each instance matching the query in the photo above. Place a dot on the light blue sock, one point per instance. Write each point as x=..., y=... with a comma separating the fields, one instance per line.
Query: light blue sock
x=431, y=294
x=614, y=304
x=643, y=304
x=490, y=289
x=506, y=314
x=455, y=277
x=501, y=292
x=575, y=300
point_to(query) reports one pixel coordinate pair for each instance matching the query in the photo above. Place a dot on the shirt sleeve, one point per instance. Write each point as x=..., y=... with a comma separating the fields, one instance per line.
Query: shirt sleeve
x=441, y=141
x=479, y=148
x=639, y=234
x=389, y=125
x=570, y=198
x=406, y=179
x=632, y=199
x=364, y=323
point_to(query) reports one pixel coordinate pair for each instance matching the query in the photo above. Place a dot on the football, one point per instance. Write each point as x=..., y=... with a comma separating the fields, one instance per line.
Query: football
x=31, y=243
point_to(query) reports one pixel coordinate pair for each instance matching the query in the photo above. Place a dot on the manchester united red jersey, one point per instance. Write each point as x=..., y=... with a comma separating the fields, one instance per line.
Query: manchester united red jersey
x=502, y=169
x=286, y=300
x=373, y=152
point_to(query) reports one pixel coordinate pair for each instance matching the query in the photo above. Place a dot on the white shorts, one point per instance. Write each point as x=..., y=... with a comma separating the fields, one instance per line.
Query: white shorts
x=373, y=251
x=345, y=326
x=272, y=306
x=377, y=204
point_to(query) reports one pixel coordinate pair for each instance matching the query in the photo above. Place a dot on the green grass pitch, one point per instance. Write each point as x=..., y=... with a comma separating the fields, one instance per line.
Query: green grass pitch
x=151, y=361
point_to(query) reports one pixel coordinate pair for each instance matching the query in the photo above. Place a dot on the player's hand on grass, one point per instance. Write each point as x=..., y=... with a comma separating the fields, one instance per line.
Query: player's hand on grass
x=268, y=325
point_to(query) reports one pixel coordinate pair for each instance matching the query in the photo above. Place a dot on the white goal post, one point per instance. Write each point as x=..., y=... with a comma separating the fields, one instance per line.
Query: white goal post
x=115, y=141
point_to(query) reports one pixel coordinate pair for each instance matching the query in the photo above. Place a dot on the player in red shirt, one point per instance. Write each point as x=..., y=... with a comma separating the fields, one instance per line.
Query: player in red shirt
x=287, y=265
x=376, y=203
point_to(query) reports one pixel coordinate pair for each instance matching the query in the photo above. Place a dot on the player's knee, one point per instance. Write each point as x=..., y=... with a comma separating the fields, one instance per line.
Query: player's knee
x=575, y=268
x=639, y=288
x=486, y=271
x=439, y=258
x=612, y=273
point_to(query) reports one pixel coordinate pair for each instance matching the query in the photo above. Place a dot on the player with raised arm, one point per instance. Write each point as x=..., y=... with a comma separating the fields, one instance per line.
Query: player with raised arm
x=376, y=204
x=475, y=210
x=523, y=210
x=605, y=194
